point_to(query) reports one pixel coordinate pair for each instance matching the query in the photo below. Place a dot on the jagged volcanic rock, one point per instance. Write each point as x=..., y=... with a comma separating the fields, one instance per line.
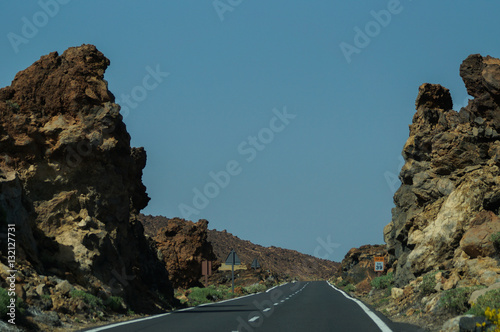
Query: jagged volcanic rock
x=66, y=152
x=449, y=198
x=182, y=245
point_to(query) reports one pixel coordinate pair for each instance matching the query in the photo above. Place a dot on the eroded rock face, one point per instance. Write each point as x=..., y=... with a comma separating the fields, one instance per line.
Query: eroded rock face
x=62, y=137
x=450, y=194
x=183, y=245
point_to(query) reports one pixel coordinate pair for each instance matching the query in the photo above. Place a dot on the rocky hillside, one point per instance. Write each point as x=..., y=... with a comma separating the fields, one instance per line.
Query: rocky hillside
x=280, y=262
x=71, y=184
x=283, y=262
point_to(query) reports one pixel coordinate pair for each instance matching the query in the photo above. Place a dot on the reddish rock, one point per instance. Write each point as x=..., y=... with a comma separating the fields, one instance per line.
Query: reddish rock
x=477, y=240
x=183, y=246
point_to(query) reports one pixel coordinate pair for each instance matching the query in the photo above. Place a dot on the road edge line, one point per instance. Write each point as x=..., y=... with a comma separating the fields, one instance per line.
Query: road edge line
x=376, y=319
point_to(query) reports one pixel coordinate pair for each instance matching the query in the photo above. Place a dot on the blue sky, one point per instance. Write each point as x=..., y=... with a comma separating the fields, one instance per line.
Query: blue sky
x=318, y=177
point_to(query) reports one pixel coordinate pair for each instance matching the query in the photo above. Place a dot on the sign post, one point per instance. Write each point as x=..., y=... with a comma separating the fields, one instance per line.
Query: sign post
x=206, y=270
x=379, y=264
x=232, y=259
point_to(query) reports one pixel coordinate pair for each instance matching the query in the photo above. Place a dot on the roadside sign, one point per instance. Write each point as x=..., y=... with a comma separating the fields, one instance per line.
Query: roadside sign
x=379, y=264
x=232, y=258
x=206, y=268
x=255, y=264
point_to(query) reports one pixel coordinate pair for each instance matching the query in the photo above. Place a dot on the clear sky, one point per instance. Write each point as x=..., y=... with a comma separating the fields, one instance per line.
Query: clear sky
x=298, y=109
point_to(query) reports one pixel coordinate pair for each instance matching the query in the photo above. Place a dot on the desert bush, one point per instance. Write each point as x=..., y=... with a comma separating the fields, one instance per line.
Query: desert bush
x=91, y=300
x=350, y=288
x=456, y=300
x=428, y=284
x=489, y=300
x=197, y=295
x=115, y=303
x=383, y=282
x=255, y=288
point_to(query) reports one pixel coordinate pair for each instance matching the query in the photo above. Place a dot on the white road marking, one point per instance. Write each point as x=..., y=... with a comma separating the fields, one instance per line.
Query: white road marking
x=253, y=319
x=270, y=289
x=266, y=309
x=276, y=303
x=165, y=314
x=371, y=314
x=125, y=323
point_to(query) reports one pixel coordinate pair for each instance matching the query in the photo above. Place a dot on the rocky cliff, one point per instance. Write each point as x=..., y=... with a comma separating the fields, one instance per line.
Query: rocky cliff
x=448, y=204
x=71, y=183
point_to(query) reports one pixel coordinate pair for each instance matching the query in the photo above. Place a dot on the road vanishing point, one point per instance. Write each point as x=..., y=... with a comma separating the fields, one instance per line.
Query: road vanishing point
x=315, y=306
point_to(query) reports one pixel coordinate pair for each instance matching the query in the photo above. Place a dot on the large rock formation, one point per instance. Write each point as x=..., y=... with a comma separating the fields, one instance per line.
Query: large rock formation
x=182, y=245
x=72, y=184
x=448, y=204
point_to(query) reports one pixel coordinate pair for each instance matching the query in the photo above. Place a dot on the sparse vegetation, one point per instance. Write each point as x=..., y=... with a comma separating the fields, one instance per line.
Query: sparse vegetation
x=383, y=282
x=91, y=300
x=197, y=295
x=428, y=284
x=456, y=300
x=350, y=288
x=115, y=303
x=489, y=300
x=255, y=288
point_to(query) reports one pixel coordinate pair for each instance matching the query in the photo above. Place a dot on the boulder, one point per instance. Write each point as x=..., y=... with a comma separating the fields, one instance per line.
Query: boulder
x=477, y=240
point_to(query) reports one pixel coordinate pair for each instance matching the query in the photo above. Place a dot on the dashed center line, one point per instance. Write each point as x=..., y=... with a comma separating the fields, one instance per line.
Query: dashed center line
x=253, y=319
x=266, y=309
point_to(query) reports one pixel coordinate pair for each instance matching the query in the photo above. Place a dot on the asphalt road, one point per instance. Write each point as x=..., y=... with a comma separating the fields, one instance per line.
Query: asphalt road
x=301, y=306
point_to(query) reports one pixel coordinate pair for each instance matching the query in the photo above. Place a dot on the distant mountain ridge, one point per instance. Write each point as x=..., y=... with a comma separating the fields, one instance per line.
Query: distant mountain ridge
x=279, y=260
